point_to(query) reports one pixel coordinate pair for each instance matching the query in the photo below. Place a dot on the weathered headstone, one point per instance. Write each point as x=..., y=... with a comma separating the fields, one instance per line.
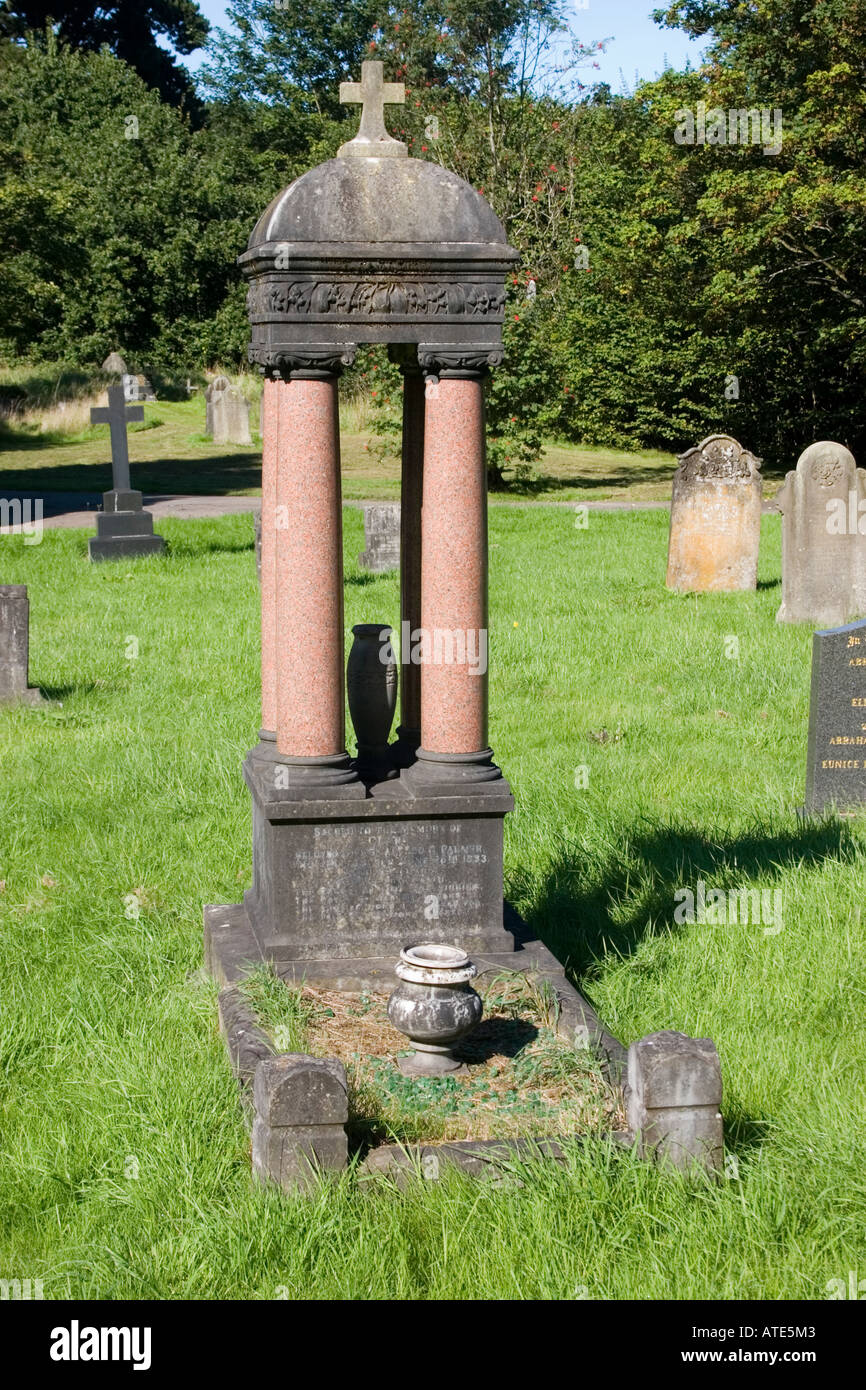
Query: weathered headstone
x=215, y=388
x=823, y=506
x=115, y=363
x=382, y=537
x=15, y=645
x=123, y=528
x=137, y=388
x=231, y=417
x=836, y=752
x=715, y=526
x=672, y=1099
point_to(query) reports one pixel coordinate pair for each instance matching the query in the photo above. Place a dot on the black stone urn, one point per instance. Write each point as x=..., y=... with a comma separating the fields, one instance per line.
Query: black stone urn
x=371, y=685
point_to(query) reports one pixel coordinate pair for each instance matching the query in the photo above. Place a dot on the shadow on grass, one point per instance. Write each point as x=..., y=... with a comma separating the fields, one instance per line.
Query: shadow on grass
x=547, y=482
x=210, y=474
x=769, y=584
x=576, y=911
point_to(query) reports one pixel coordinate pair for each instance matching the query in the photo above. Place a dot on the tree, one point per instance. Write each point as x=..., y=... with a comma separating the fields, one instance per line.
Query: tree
x=129, y=28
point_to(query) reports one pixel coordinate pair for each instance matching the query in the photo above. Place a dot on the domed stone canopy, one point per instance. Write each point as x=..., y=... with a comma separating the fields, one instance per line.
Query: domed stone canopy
x=411, y=205
x=374, y=247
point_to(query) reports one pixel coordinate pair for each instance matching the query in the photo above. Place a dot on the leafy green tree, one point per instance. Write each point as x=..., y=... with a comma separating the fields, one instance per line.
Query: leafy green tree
x=129, y=28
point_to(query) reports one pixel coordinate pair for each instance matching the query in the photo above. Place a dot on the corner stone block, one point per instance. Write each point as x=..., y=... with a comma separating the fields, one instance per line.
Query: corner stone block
x=301, y=1106
x=674, y=1094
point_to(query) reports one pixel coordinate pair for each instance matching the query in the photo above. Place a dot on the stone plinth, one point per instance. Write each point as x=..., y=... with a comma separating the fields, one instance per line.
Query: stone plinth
x=356, y=878
x=715, y=527
x=124, y=530
x=381, y=537
x=836, y=755
x=15, y=645
x=823, y=506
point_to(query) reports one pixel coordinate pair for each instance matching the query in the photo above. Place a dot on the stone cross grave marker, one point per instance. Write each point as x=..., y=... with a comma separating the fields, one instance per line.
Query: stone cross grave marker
x=715, y=518
x=382, y=537
x=823, y=506
x=123, y=528
x=15, y=645
x=836, y=751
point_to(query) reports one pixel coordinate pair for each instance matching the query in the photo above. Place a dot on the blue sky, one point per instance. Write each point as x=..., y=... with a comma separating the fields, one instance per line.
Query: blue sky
x=637, y=45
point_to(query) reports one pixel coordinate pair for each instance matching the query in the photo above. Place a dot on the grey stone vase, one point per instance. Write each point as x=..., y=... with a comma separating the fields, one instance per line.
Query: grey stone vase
x=434, y=1005
x=371, y=685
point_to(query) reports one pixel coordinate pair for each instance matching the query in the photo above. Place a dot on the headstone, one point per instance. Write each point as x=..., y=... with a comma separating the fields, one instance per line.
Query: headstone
x=15, y=645
x=673, y=1096
x=137, y=388
x=382, y=537
x=836, y=754
x=123, y=528
x=231, y=417
x=115, y=363
x=715, y=526
x=823, y=506
x=216, y=388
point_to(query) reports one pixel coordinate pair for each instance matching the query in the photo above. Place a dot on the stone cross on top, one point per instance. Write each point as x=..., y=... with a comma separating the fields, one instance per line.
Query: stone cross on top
x=117, y=415
x=373, y=94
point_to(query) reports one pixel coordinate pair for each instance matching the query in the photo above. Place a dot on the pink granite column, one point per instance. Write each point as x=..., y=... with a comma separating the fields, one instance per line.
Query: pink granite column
x=411, y=488
x=310, y=690
x=273, y=394
x=454, y=588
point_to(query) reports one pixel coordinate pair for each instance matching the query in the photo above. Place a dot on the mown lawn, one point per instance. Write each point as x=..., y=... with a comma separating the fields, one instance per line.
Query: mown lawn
x=125, y=1167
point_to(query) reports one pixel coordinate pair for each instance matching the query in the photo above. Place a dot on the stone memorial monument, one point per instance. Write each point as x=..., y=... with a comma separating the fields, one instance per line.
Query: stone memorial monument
x=15, y=645
x=382, y=537
x=353, y=862
x=715, y=525
x=216, y=388
x=231, y=417
x=123, y=528
x=823, y=506
x=836, y=752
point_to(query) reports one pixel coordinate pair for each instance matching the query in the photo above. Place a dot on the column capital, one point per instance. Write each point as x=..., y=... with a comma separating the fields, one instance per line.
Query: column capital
x=306, y=362
x=466, y=363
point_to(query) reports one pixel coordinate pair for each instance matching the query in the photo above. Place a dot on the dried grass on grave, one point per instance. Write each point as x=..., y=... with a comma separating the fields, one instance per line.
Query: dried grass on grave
x=521, y=1079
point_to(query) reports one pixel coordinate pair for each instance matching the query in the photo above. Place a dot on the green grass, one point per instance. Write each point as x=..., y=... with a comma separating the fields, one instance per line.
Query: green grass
x=122, y=811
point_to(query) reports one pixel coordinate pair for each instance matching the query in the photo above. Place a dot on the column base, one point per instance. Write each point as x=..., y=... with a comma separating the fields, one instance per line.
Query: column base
x=450, y=774
x=279, y=776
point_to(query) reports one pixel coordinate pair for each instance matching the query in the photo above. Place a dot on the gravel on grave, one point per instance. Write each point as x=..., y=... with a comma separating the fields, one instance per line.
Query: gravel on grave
x=521, y=1079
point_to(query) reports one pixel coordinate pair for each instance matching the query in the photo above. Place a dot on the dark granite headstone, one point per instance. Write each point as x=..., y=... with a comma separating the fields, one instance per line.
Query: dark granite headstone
x=836, y=756
x=123, y=528
x=382, y=536
x=15, y=645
